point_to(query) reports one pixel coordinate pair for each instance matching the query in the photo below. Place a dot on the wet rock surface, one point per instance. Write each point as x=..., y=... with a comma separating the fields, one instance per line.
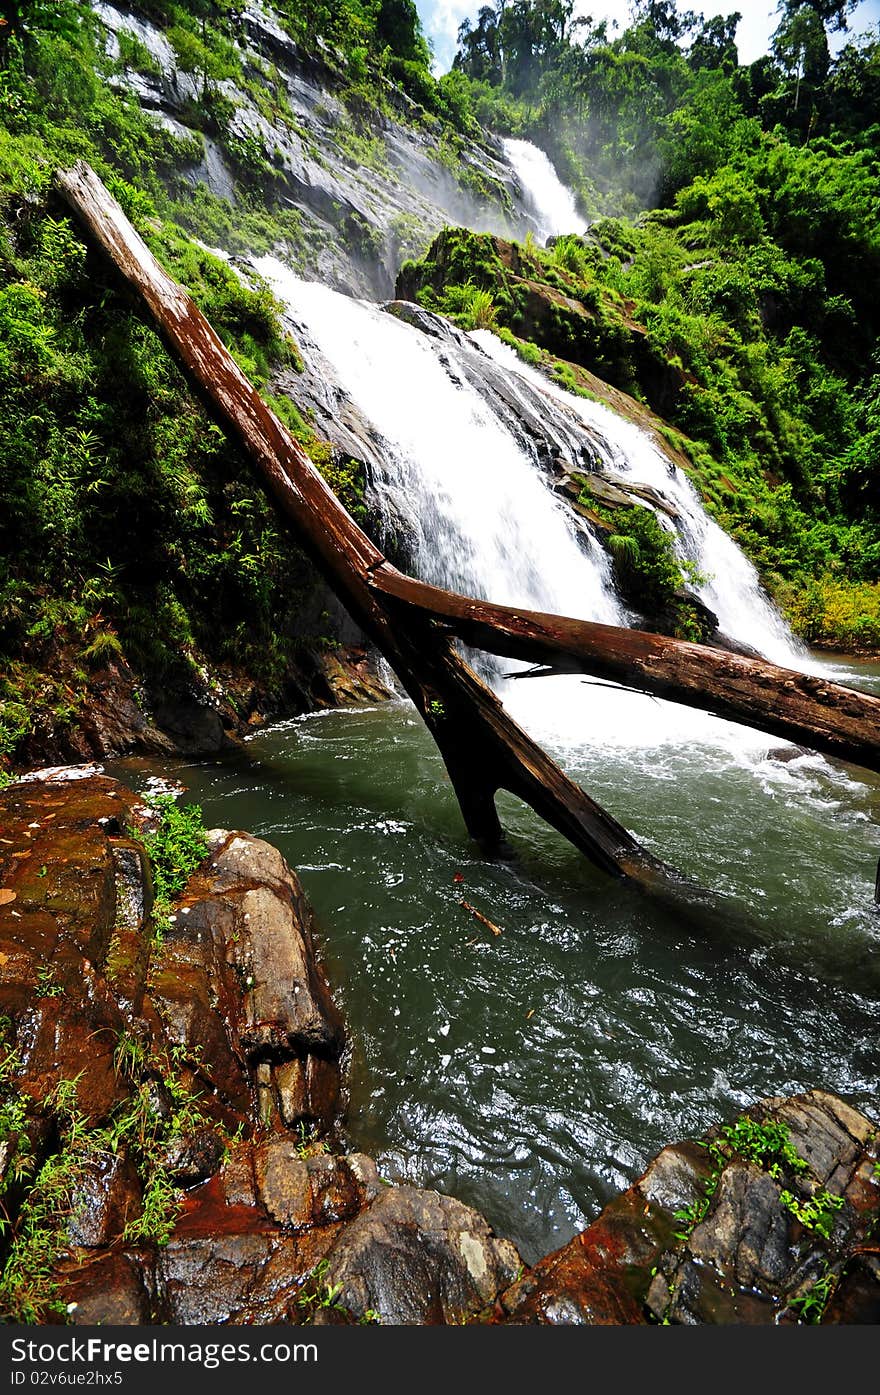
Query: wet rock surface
x=730, y=1230
x=121, y=715
x=171, y=1129
x=179, y=1084
x=358, y=221
x=417, y=1257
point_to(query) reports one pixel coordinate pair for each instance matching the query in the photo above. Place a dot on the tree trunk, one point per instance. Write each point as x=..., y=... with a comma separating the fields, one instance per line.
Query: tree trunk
x=414, y=625
x=798, y=707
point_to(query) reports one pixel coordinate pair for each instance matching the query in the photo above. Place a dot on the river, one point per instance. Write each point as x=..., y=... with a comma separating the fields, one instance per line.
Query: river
x=534, y=1073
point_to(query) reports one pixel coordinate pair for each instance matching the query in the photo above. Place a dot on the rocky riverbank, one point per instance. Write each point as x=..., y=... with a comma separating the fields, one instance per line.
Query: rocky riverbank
x=200, y=711
x=173, y=1142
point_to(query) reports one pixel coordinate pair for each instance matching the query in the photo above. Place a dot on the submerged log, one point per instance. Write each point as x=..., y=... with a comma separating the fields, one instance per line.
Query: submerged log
x=415, y=625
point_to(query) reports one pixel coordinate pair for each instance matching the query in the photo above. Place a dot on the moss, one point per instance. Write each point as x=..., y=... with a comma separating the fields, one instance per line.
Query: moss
x=532, y=297
x=647, y=571
x=346, y=476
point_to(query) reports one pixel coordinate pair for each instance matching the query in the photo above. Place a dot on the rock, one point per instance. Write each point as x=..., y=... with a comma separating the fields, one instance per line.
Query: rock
x=193, y=1157
x=418, y=1257
x=106, y=1196
x=302, y=1192
x=358, y=223
x=749, y=1259
x=194, y=727
x=104, y=1027
x=287, y=1009
x=112, y=1289
x=134, y=884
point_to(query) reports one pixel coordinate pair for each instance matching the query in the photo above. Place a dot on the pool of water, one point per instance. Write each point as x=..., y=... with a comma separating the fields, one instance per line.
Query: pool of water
x=534, y=1073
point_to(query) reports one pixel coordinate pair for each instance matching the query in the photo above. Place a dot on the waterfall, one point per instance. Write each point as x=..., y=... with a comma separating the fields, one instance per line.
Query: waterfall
x=731, y=587
x=454, y=431
x=553, y=205
x=479, y=517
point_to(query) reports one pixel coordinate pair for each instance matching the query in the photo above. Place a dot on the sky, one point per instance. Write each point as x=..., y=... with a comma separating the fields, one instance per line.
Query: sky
x=441, y=18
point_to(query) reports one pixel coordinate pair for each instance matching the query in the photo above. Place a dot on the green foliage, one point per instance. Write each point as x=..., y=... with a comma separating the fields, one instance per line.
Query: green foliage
x=316, y=1293
x=469, y=306
x=810, y=1306
x=345, y=476
x=176, y=847
x=649, y=573
x=131, y=527
x=758, y=294
x=569, y=252
x=817, y=1213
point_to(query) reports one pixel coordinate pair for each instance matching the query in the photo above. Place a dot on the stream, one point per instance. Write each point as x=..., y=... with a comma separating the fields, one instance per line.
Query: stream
x=534, y=1073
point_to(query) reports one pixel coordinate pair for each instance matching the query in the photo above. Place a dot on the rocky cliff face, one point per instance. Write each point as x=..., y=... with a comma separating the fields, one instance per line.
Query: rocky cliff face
x=369, y=188
x=170, y=1129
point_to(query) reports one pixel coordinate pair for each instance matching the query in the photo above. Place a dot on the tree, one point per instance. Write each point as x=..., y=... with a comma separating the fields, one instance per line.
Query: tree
x=398, y=28
x=801, y=46
x=657, y=25
x=832, y=14
x=853, y=91
x=479, y=48
x=714, y=45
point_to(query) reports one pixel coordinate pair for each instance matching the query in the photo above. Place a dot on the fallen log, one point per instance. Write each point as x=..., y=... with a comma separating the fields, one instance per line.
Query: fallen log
x=799, y=707
x=483, y=748
x=415, y=625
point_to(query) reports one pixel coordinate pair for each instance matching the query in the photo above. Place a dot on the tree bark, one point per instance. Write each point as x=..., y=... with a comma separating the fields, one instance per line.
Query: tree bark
x=414, y=625
x=799, y=707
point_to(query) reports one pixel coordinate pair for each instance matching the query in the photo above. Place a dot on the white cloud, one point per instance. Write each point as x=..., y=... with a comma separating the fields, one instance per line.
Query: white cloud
x=440, y=21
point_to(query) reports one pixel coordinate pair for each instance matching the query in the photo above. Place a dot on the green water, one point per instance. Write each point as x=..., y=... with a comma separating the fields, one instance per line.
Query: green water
x=533, y=1074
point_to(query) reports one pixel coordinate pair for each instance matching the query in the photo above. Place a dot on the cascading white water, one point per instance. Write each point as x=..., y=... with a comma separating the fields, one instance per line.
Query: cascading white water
x=554, y=207
x=731, y=588
x=481, y=517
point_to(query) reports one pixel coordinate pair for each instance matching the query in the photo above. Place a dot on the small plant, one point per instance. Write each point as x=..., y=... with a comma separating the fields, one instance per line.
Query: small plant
x=129, y=1056
x=767, y=1144
x=46, y=986
x=568, y=252
x=309, y=1146
x=810, y=1306
x=817, y=1213
x=469, y=306
x=436, y=708
x=175, y=849
x=317, y=1293
x=103, y=647
x=161, y=1203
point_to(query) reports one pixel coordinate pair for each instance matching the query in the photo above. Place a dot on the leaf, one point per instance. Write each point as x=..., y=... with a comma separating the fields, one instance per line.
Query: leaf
x=6, y=896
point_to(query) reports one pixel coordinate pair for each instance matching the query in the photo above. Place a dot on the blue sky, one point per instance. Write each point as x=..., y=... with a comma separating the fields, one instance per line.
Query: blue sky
x=441, y=18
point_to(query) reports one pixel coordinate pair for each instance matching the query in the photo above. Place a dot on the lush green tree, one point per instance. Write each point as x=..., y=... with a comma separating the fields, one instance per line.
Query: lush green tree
x=398, y=28
x=714, y=44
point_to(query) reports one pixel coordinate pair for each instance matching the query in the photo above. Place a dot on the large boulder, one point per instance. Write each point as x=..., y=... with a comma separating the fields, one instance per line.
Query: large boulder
x=416, y=1257
x=183, y=1082
x=764, y=1221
